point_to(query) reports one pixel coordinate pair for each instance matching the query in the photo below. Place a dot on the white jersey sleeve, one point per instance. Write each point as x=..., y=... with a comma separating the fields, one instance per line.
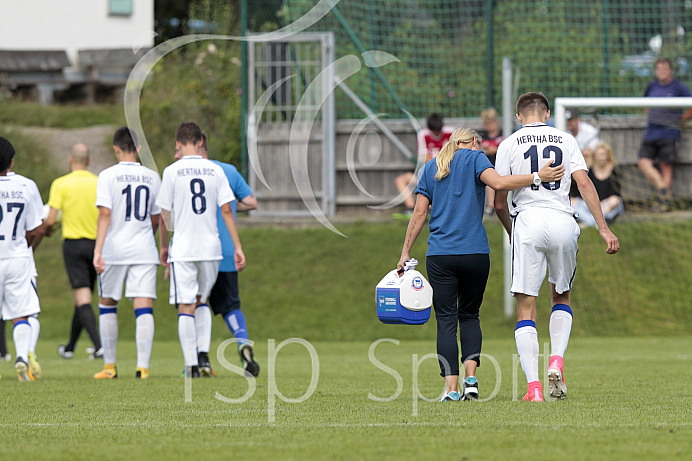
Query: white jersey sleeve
x=129, y=190
x=191, y=189
x=527, y=151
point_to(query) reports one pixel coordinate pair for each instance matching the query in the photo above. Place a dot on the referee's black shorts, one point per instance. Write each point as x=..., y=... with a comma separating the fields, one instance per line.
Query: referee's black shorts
x=79, y=262
x=224, y=296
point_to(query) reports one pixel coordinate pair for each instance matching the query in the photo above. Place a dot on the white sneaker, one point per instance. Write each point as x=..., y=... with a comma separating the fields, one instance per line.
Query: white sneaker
x=450, y=396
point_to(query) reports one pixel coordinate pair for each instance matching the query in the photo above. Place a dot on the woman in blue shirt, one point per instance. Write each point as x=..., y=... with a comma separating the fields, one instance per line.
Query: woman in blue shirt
x=458, y=256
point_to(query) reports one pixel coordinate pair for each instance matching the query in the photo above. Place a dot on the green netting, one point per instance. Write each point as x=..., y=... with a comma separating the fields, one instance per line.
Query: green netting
x=560, y=47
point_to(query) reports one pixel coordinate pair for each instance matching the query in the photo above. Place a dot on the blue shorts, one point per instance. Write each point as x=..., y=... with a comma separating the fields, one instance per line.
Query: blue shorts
x=224, y=297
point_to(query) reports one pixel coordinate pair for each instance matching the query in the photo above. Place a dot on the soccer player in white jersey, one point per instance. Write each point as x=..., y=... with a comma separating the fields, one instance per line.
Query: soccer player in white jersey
x=35, y=196
x=544, y=232
x=125, y=251
x=191, y=189
x=21, y=223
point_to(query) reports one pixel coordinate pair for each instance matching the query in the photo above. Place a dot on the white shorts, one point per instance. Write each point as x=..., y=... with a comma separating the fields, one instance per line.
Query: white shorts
x=543, y=237
x=18, y=297
x=139, y=280
x=190, y=279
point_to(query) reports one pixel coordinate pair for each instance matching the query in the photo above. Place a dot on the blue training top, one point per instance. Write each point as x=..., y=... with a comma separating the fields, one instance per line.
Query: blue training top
x=456, y=218
x=664, y=123
x=241, y=190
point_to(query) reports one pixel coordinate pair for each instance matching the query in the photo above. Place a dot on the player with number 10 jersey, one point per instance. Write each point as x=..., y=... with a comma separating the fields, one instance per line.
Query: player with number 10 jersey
x=129, y=190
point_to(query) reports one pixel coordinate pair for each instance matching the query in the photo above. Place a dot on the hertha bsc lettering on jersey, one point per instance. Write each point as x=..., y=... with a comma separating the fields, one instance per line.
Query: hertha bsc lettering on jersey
x=191, y=189
x=527, y=151
x=129, y=190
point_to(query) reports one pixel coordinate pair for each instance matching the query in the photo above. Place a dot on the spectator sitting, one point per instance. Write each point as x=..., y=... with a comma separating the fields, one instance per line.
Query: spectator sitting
x=492, y=137
x=430, y=141
x=662, y=136
x=606, y=179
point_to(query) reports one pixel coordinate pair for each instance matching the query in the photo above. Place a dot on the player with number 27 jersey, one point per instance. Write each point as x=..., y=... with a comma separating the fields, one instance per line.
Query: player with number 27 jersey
x=129, y=190
x=529, y=149
x=194, y=212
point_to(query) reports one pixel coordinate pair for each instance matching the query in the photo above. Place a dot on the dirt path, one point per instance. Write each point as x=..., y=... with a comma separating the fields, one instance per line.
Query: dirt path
x=58, y=142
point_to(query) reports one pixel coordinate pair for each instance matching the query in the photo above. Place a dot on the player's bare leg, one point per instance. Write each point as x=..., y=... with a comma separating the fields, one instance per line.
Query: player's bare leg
x=403, y=185
x=660, y=180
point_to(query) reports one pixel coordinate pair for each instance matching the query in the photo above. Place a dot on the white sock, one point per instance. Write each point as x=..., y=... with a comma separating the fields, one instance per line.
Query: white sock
x=188, y=338
x=35, y=330
x=22, y=338
x=108, y=327
x=560, y=328
x=527, y=346
x=144, y=325
x=203, y=322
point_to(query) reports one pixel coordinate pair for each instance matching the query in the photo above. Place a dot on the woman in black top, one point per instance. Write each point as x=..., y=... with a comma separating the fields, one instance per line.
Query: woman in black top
x=606, y=178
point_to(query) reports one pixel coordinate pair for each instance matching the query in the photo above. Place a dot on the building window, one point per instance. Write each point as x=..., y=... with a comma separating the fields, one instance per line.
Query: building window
x=120, y=7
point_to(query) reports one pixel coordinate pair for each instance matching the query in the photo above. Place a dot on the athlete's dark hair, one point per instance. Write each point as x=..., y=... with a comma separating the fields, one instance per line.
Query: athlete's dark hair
x=435, y=122
x=205, y=142
x=188, y=133
x=532, y=103
x=125, y=139
x=6, y=154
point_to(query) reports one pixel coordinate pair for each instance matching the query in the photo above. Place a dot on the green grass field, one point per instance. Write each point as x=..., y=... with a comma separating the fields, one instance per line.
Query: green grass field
x=628, y=398
x=627, y=367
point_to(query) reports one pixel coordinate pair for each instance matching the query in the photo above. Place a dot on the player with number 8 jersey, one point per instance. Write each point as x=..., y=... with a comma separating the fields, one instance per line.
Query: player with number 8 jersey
x=191, y=190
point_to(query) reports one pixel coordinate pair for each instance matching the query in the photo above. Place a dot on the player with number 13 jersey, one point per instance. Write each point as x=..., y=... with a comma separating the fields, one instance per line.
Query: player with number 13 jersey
x=529, y=149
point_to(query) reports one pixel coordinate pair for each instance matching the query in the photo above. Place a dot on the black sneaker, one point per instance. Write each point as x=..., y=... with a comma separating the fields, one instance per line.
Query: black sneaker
x=470, y=389
x=204, y=365
x=247, y=357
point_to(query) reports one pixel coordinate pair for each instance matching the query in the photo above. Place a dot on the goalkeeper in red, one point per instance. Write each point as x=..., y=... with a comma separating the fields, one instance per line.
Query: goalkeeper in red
x=544, y=233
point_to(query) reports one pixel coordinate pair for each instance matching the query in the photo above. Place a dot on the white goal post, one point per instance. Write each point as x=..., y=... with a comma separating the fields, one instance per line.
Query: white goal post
x=561, y=104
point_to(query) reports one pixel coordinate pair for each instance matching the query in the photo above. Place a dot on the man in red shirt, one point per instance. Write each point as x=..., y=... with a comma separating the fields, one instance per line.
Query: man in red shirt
x=430, y=142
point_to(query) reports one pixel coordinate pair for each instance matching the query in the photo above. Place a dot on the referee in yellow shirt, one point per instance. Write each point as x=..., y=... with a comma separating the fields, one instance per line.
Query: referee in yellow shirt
x=75, y=195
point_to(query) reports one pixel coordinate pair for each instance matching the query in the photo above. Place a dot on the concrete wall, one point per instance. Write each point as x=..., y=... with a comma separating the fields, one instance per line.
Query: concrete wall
x=73, y=25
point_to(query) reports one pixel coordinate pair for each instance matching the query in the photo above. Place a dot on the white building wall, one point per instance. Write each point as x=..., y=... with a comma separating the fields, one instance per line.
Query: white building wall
x=73, y=25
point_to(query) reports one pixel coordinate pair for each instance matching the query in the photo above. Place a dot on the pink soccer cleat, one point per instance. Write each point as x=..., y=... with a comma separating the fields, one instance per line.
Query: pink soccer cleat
x=556, y=381
x=535, y=393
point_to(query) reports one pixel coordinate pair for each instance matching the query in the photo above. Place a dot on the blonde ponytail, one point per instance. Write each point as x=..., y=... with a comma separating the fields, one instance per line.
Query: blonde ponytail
x=446, y=155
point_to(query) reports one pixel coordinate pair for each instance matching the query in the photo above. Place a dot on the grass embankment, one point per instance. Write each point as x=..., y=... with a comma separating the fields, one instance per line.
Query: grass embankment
x=313, y=284
x=60, y=116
